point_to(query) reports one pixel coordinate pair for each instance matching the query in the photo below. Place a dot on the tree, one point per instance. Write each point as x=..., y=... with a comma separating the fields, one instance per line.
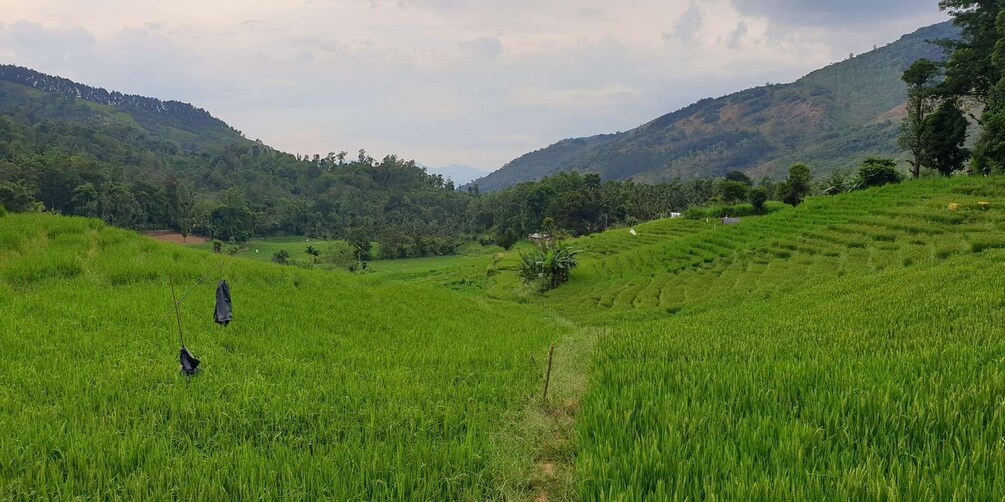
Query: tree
x=876, y=172
x=361, y=244
x=550, y=267
x=85, y=200
x=944, y=136
x=920, y=94
x=975, y=78
x=837, y=179
x=16, y=197
x=769, y=186
x=313, y=253
x=798, y=186
x=733, y=192
x=758, y=199
x=739, y=176
x=119, y=206
x=506, y=239
x=233, y=219
x=970, y=68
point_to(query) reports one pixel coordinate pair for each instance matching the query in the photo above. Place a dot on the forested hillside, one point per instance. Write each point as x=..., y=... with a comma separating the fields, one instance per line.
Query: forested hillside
x=143, y=163
x=834, y=117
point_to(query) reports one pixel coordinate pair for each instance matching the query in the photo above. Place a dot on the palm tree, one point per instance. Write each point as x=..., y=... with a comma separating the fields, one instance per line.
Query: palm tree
x=313, y=252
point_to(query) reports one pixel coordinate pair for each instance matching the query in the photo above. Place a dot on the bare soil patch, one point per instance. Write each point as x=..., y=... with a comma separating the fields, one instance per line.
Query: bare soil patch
x=175, y=238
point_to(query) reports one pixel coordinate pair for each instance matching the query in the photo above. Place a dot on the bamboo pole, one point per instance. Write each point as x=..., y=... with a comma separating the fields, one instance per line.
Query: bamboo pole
x=547, y=378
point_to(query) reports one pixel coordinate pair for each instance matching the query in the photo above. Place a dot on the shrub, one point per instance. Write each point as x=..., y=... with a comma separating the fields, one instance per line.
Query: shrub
x=282, y=257
x=549, y=267
x=739, y=210
x=3, y=211
x=340, y=254
x=506, y=239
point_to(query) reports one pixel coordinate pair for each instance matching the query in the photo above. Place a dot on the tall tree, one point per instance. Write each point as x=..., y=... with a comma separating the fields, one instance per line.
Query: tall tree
x=944, y=136
x=975, y=78
x=798, y=186
x=920, y=98
x=970, y=70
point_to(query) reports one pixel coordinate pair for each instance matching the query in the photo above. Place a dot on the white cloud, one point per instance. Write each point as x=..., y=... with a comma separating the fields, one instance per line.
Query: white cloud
x=735, y=38
x=689, y=25
x=444, y=81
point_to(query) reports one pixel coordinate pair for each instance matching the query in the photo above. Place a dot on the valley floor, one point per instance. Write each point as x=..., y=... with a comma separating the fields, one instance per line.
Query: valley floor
x=850, y=348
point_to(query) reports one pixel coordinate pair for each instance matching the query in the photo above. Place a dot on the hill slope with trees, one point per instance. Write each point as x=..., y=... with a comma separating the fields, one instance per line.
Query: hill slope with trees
x=144, y=163
x=833, y=117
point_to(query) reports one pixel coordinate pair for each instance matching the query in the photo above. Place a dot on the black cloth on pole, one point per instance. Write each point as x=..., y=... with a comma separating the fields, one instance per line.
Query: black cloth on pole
x=189, y=364
x=222, y=315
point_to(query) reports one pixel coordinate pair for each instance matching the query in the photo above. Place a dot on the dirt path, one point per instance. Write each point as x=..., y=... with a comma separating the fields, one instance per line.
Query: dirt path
x=175, y=238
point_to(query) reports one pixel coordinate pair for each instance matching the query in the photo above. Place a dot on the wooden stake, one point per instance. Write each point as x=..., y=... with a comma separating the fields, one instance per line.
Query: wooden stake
x=177, y=312
x=547, y=377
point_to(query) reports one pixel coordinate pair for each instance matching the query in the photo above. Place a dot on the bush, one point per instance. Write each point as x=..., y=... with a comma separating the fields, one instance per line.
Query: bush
x=3, y=211
x=549, y=267
x=281, y=257
x=739, y=210
x=878, y=172
x=340, y=254
x=506, y=239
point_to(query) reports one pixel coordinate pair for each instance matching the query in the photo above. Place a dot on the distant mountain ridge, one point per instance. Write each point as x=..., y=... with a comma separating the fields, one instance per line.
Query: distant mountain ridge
x=66, y=87
x=832, y=117
x=31, y=98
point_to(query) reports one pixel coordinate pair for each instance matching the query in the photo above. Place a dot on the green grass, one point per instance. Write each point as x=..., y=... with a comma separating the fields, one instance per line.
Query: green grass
x=322, y=387
x=860, y=388
x=850, y=348
x=263, y=249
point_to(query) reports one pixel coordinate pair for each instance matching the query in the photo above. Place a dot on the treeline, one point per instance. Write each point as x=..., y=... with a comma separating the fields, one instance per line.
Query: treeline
x=230, y=193
x=57, y=85
x=947, y=98
x=579, y=204
x=242, y=191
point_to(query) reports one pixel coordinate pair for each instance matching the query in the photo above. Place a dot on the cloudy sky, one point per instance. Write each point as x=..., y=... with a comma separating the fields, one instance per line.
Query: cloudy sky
x=474, y=82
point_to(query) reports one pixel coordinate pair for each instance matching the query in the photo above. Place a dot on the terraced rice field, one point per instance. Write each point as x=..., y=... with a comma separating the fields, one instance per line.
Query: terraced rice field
x=322, y=387
x=850, y=348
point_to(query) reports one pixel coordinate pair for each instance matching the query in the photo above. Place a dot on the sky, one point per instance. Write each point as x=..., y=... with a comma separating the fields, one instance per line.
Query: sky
x=476, y=82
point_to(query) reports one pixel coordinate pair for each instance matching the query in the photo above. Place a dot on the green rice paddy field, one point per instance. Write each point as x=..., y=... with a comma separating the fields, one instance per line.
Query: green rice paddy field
x=850, y=348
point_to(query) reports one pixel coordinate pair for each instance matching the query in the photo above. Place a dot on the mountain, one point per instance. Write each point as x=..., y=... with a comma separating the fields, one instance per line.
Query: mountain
x=830, y=118
x=459, y=174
